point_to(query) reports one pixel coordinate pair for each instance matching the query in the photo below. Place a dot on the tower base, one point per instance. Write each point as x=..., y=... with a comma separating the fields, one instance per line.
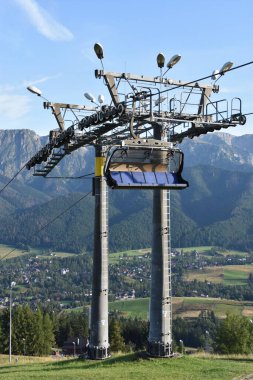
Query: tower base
x=98, y=353
x=159, y=350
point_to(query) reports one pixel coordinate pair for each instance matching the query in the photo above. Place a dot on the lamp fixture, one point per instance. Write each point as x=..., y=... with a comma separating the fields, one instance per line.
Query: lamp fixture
x=101, y=99
x=227, y=66
x=34, y=90
x=215, y=75
x=174, y=60
x=218, y=73
x=90, y=97
x=99, y=50
x=160, y=59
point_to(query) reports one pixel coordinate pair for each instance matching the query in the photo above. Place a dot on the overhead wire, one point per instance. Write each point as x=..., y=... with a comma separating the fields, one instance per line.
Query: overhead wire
x=85, y=176
x=197, y=80
x=206, y=77
x=50, y=222
x=8, y=183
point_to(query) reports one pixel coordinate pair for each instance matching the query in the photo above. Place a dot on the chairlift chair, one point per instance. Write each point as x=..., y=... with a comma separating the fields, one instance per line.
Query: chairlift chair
x=145, y=164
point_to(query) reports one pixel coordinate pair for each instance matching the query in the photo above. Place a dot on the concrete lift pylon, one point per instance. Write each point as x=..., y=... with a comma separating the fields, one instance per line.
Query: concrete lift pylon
x=99, y=339
x=160, y=313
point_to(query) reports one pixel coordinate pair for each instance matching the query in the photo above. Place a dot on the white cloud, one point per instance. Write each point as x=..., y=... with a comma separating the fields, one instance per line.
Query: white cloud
x=44, y=22
x=40, y=80
x=13, y=106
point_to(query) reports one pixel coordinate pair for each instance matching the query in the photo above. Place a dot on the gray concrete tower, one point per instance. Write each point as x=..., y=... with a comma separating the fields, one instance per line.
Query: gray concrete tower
x=99, y=343
x=160, y=329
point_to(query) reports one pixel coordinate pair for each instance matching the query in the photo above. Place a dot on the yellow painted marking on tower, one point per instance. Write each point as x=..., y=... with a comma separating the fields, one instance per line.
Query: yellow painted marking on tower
x=99, y=166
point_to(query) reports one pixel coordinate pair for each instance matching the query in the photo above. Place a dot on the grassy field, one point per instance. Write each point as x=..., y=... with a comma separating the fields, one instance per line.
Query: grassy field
x=191, y=307
x=198, y=249
x=205, y=250
x=234, y=253
x=185, y=307
x=133, y=307
x=132, y=366
x=57, y=254
x=117, y=256
x=114, y=258
x=229, y=274
x=5, y=249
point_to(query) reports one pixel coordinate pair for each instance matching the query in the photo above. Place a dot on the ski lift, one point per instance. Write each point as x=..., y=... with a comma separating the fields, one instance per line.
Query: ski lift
x=145, y=164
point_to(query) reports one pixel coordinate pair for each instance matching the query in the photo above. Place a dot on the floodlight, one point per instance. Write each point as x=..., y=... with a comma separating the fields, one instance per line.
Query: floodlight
x=215, y=75
x=90, y=97
x=101, y=99
x=173, y=61
x=99, y=50
x=227, y=66
x=160, y=60
x=34, y=90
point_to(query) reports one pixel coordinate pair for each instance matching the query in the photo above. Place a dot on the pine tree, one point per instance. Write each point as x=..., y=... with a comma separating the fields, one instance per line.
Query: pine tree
x=29, y=330
x=49, y=339
x=18, y=331
x=38, y=333
x=116, y=339
x=5, y=328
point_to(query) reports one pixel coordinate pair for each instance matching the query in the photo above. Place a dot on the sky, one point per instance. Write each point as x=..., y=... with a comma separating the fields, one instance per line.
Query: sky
x=49, y=44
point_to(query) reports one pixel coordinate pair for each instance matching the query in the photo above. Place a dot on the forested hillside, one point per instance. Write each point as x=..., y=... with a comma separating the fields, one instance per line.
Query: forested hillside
x=215, y=210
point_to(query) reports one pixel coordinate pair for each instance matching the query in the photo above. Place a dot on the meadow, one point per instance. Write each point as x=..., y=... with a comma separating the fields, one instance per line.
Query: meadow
x=132, y=366
x=10, y=252
x=6, y=249
x=205, y=250
x=184, y=307
x=114, y=258
x=228, y=275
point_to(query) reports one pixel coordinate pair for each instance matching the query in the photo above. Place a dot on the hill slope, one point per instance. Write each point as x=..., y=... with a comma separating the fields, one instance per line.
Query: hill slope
x=216, y=209
x=134, y=366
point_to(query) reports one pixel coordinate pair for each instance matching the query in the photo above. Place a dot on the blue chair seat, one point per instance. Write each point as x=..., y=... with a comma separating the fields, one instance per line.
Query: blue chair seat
x=135, y=180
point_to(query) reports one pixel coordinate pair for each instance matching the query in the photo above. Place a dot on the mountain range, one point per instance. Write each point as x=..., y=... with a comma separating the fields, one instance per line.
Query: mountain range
x=217, y=208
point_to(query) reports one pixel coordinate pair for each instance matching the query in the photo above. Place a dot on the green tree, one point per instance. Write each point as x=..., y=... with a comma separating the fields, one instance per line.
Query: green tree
x=64, y=329
x=5, y=328
x=135, y=332
x=38, y=333
x=28, y=328
x=116, y=339
x=49, y=338
x=234, y=335
x=18, y=331
x=22, y=331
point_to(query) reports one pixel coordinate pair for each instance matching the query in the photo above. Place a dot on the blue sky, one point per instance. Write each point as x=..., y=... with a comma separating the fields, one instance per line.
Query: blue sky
x=49, y=43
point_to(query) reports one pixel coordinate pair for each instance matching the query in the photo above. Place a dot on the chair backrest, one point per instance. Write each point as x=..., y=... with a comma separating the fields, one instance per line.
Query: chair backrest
x=145, y=167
